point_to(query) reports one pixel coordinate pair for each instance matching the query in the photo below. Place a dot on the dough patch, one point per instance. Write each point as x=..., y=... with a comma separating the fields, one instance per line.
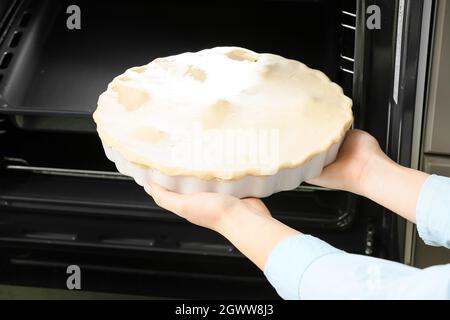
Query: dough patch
x=131, y=98
x=215, y=115
x=241, y=55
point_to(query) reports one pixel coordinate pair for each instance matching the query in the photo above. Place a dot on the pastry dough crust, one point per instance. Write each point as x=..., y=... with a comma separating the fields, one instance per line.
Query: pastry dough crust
x=148, y=111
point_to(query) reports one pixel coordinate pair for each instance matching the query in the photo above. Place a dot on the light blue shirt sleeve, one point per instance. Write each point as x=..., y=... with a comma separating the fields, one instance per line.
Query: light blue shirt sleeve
x=304, y=267
x=433, y=211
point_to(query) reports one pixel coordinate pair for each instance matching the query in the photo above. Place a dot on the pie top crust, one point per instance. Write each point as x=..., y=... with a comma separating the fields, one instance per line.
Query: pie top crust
x=222, y=113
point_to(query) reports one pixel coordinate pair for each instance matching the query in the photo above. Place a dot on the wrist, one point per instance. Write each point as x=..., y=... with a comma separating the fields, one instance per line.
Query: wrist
x=230, y=218
x=377, y=170
x=375, y=167
x=252, y=233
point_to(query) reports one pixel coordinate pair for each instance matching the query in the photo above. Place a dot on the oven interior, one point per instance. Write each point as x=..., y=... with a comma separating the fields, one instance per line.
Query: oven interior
x=62, y=202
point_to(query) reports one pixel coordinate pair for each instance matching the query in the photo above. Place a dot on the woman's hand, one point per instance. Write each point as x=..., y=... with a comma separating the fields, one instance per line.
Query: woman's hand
x=355, y=158
x=204, y=209
x=361, y=167
x=246, y=223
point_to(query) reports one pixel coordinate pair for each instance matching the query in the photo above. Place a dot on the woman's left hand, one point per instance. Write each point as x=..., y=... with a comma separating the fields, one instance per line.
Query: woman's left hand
x=204, y=209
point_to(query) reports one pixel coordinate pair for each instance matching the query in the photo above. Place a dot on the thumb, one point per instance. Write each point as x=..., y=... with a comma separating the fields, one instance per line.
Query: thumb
x=169, y=200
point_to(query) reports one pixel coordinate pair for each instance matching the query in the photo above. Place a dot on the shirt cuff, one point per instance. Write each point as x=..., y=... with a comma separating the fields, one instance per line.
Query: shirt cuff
x=433, y=211
x=290, y=259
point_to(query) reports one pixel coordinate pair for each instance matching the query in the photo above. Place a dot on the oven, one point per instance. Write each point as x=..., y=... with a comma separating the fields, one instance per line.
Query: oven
x=63, y=203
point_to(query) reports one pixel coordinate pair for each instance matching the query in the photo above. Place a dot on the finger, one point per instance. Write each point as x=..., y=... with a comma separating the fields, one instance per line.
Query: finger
x=320, y=181
x=169, y=200
x=313, y=181
x=258, y=205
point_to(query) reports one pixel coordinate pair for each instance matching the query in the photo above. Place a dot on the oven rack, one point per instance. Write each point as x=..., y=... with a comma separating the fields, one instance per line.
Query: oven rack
x=97, y=174
x=347, y=55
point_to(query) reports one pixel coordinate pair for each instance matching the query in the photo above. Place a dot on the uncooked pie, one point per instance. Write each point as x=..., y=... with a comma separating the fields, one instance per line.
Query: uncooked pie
x=222, y=115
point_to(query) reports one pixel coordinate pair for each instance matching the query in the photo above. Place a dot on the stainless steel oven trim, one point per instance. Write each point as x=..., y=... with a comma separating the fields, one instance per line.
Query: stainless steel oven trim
x=398, y=48
x=427, y=14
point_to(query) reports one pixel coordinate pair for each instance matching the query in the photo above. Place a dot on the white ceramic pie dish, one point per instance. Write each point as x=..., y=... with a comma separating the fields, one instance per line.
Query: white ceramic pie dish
x=225, y=119
x=247, y=186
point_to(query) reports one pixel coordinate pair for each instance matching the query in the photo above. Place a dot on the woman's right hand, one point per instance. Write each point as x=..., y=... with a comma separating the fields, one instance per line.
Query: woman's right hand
x=362, y=167
x=358, y=152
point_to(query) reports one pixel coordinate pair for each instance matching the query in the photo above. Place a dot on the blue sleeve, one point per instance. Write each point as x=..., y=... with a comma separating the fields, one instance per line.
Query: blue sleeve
x=304, y=267
x=433, y=211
